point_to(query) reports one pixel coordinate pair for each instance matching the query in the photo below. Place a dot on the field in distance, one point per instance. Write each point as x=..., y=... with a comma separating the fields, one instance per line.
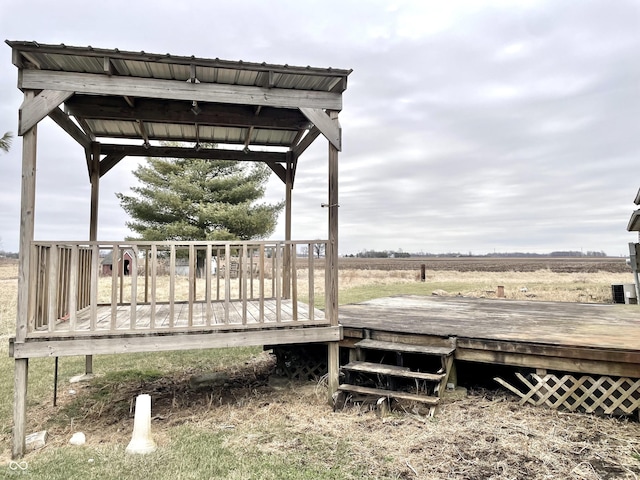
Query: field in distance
x=491, y=264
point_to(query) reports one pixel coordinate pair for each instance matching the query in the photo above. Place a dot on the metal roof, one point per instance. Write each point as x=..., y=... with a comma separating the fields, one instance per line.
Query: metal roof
x=146, y=117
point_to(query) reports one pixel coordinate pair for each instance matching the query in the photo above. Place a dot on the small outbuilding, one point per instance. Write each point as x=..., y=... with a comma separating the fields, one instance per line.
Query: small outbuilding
x=124, y=263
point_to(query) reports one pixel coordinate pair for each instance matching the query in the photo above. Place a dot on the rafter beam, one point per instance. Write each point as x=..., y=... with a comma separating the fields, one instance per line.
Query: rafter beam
x=35, y=109
x=94, y=84
x=143, y=131
x=306, y=141
x=63, y=120
x=87, y=129
x=148, y=110
x=330, y=128
x=247, y=138
x=279, y=170
x=183, y=152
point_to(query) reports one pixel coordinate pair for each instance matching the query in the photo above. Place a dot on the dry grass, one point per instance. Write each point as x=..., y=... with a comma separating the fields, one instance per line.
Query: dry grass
x=478, y=436
x=482, y=435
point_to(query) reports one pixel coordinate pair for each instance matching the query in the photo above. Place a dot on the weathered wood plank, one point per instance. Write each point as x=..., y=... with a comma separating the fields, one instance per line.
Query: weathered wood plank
x=20, y=406
x=172, y=285
x=93, y=300
x=52, y=282
x=327, y=126
x=93, y=84
x=391, y=370
x=27, y=217
x=377, y=392
x=151, y=343
x=331, y=269
x=73, y=287
x=551, y=363
x=63, y=120
x=34, y=109
x=404, y=347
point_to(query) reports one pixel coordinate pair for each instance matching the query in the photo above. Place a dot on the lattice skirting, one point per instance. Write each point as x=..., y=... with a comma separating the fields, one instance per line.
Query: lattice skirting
x=301, y=362
x=589, y=394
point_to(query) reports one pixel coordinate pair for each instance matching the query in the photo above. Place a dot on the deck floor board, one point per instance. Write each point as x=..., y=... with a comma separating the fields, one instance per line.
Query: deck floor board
x=181, y=317
x=613, y=326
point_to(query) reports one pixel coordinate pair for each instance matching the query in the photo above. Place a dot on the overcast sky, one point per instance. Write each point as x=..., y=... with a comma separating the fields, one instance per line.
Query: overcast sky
x=468, y=126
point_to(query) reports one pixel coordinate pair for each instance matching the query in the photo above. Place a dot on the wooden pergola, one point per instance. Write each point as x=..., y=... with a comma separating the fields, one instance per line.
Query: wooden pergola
x=119, y=104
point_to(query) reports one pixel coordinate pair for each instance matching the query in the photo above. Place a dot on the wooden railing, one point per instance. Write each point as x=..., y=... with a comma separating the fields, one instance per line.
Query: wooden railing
x=217, y=282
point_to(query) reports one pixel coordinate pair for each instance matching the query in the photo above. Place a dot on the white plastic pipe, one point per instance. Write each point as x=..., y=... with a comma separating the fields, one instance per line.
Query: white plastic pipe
x=141, y=441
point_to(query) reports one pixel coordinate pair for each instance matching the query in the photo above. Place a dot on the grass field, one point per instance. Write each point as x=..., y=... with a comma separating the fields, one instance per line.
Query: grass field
x=252, y=427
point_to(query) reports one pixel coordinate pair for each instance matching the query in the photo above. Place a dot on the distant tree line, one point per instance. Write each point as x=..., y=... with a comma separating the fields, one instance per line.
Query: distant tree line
x=381, y=254
x=402, y=254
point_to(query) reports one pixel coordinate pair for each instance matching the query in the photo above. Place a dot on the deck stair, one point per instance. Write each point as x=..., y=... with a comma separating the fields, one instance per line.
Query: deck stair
x=385, y=381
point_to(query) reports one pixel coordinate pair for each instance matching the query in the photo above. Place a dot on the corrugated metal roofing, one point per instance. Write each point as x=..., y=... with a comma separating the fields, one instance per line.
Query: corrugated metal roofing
x=145, y=65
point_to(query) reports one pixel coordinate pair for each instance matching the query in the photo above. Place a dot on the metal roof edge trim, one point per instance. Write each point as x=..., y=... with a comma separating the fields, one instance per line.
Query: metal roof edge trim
x=89, y=51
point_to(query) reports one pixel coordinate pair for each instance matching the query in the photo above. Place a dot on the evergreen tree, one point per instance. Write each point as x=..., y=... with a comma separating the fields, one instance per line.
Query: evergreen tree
x=192, y=199
x=5, y=141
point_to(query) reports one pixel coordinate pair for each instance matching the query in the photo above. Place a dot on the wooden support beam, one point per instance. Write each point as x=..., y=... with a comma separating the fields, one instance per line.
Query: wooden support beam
x=110, y=161
x=144, y=134
x=107, y=66
x=551, y=363
x=332, y=262
x=20, y=407
x=329, y=127
x=279, y=170
x=94, y=84
x=117, y=344
x=154, y=110
x=333, y=369
x=93, y=227
x=634, y=260
x=87, y=129
x=95, y=191
x=36, y=108
x=288, y=250
x=203, y=153
x=332, y=247
x=63, y=120
x=27, y=225
x=306, y=141
x=247, y=138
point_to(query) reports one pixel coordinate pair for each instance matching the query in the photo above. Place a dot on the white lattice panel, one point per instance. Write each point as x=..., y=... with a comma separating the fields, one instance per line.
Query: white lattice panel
x=605, y=394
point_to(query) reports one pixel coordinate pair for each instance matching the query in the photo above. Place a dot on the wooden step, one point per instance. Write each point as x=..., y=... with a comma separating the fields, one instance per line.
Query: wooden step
x=404, y=347
x=392, y=370
x=378, y=392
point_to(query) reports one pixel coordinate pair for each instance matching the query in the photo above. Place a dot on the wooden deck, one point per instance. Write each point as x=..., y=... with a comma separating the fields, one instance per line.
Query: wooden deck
x=587, y=338
x=282, y=323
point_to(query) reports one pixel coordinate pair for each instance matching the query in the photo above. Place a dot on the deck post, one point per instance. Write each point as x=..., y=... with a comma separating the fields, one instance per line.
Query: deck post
x=27, y=217
x=94, y=173
x=286, y=260
x=332, y=262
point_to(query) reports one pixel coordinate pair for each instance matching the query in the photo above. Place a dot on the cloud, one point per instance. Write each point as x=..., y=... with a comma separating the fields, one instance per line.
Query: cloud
x=467, y=125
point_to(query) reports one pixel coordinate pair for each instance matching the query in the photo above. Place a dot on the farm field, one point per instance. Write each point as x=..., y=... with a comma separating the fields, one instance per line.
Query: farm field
x=256, y=426
x=491, y=264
